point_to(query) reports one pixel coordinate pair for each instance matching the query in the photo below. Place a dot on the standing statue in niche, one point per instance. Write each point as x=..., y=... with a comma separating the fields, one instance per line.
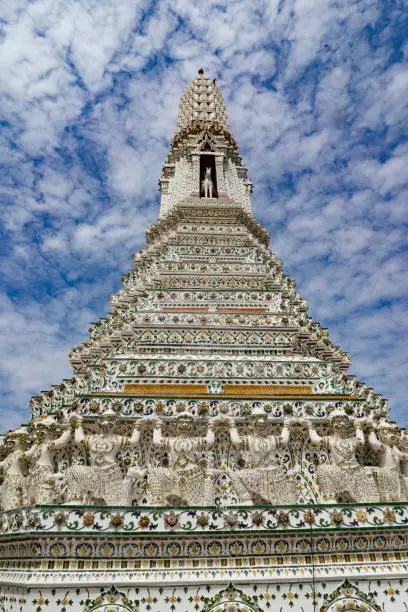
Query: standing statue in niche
x=50, y=436
x=101, y=480
x=184, y=481
x=344, y=475
x=262, y=479
x=207, y=184
x=13, y=491
x=389, y=456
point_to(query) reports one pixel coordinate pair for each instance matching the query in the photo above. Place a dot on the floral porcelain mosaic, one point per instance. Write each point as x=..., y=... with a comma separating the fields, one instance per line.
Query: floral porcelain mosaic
x=211, y=452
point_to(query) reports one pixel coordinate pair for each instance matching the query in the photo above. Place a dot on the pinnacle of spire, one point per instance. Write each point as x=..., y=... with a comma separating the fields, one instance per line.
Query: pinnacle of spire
x=202, y=101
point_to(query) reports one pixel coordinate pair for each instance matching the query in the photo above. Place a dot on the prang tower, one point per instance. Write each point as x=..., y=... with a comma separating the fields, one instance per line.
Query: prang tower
x=211, y=451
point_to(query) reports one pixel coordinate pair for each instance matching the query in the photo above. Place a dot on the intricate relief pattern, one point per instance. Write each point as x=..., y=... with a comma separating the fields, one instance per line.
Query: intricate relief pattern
x=211, y=451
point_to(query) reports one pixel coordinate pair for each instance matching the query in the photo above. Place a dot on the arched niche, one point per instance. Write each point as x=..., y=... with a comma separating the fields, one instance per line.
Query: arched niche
x=348, y=598
x=231, y=599
x=207, y=164
x=110, y=601
x=106, y=607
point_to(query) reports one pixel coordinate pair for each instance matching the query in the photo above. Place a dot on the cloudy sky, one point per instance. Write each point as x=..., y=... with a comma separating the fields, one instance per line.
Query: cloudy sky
x=316, y=92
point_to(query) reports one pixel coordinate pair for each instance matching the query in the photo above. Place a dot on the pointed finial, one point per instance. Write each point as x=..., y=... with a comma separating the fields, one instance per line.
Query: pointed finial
x=201, y=101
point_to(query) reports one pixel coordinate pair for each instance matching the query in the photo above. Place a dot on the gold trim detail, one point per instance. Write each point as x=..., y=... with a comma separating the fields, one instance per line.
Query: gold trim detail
x=163, y=390
x=267, y=390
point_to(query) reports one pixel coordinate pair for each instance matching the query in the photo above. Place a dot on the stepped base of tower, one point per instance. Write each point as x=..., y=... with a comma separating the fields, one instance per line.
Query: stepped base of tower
x=116, y=559
x=208, y=384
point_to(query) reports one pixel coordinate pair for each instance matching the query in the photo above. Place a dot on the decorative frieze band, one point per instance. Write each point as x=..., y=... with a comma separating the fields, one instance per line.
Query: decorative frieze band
x=157, y=520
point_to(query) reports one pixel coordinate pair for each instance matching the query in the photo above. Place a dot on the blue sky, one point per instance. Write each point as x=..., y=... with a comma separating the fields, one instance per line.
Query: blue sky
x=316, y=93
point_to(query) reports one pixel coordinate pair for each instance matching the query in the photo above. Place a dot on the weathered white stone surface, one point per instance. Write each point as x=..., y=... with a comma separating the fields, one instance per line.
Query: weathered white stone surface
x=211, y=452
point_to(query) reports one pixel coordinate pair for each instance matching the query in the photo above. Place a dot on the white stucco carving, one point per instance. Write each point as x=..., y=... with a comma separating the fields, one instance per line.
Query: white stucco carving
x=344, y=474
x=184, y=480
x=261, y=476
x=49, y=437
x=103, y=478
x=13, y=491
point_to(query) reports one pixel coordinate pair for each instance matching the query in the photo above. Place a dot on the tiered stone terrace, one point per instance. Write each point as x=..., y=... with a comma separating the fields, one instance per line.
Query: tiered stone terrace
x=207, y=330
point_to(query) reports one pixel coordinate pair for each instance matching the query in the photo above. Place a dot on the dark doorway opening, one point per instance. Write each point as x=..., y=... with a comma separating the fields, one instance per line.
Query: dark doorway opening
x=208, y=161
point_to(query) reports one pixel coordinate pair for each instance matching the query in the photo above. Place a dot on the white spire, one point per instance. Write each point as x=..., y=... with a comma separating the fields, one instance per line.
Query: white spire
x=203, y=143
x=202, y=101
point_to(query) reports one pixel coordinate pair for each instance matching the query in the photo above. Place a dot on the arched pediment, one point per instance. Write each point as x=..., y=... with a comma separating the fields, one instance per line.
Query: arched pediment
x=107, y=607
x=110, y=601
x=231, y=599
x=205, y=142
x=348, y=598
